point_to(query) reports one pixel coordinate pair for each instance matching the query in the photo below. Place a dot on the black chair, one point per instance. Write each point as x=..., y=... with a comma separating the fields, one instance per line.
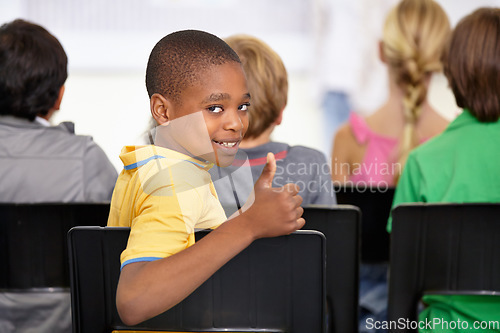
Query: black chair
x=442, y=249
x=33, y=242
x=375, y=203
x=275, y=285
x=341, y=226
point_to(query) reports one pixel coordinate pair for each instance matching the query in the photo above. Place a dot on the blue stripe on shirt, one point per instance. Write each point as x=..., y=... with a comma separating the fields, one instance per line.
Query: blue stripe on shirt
x=141, y=163
x=130, y=261
x=197, y=164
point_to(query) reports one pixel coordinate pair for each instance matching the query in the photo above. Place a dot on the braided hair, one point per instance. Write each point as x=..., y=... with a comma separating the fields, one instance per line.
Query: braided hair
x=415, y=34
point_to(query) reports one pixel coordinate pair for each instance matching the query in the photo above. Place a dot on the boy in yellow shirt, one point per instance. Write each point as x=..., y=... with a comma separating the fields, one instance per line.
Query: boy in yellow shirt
x=199, y=98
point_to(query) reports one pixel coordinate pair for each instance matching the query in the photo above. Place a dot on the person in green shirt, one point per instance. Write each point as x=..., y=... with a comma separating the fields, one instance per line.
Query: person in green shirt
x=462, y=164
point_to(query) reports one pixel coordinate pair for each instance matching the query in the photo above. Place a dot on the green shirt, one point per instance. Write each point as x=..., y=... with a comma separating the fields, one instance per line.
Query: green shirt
x=460, y=165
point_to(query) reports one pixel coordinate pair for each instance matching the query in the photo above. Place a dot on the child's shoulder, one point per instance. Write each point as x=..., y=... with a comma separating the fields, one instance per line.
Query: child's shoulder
x=345, y=133
x=306, y=154
x=160, y=168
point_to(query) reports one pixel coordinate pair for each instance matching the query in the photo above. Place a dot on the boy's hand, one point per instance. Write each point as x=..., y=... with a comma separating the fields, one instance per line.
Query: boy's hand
x=275, y=211
x=266, y=177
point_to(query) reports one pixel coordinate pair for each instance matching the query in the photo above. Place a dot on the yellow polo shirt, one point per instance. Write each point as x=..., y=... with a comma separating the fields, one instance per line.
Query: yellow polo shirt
x=162, y=195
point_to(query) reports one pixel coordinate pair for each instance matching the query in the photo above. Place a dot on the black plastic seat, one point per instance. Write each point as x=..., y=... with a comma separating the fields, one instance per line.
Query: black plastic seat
x=275, y=285
x=375, y=203
x=341, y=226
x=33, y=242
x=442, y=249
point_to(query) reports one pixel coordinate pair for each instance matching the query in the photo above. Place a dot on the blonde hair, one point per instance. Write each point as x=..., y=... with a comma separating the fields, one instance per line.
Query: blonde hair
x=414, y=37
x=267, y=81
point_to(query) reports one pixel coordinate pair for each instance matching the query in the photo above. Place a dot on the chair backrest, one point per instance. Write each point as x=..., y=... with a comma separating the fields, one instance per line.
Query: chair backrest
x=33, y=241
x=375, y=203
x=274, y=285
x=442, y=248
x=341, y=226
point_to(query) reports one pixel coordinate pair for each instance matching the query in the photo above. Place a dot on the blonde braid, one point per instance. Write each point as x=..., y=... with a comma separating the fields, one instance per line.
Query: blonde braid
x=415, y=33
x=415, y=92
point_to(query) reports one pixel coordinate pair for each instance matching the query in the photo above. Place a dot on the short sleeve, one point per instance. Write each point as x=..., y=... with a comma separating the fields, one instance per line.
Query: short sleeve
x=162, y=225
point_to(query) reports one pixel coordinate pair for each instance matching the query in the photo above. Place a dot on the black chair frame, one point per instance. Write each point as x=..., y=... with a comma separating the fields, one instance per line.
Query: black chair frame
x=341, y=226
x=442, y=249
x=275, y=285
x=33, y=242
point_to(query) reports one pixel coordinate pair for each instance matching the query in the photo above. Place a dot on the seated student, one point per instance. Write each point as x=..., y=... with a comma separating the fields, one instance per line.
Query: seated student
x=461, y=164
x=40, y=162
x=199, y=97
x=373, y=150
x=268, y=84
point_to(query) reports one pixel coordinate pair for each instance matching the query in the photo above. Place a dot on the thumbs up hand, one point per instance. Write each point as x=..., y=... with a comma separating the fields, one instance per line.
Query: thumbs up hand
x=266, y=177
x=275, y=211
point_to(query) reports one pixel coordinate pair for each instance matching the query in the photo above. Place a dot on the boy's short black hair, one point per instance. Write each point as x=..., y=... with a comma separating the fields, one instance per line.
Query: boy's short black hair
x=33, y=68
x=179, y=58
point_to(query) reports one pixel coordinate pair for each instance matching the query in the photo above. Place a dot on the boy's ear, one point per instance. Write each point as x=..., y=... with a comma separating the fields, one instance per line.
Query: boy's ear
x=57, y=104
x=381, y=54
x=159, y=108
x=280, y=117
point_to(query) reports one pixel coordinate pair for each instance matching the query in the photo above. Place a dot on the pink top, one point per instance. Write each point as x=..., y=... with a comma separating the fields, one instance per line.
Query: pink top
x=379, y=163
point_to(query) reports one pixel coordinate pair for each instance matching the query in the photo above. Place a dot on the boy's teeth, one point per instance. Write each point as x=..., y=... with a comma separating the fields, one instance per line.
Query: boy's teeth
x=227, y=144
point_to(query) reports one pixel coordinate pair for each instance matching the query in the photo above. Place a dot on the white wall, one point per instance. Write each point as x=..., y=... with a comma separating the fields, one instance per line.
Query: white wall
x=108, y=42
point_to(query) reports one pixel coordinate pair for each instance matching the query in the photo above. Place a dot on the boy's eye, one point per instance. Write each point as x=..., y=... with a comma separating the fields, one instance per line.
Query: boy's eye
x=244, y=107
x=215, y=109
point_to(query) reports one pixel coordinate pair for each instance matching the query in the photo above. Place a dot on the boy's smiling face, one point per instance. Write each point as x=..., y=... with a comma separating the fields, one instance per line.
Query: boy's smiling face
x=210, y=119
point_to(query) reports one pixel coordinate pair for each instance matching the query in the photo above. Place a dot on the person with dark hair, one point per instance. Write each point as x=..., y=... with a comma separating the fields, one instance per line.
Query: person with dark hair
x=461, y=164
x=268, y=84
x=199, y=99
x=40, y=162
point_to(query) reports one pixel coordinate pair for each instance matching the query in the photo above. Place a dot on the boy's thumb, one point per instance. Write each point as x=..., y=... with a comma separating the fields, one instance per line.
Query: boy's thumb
x=266, y=177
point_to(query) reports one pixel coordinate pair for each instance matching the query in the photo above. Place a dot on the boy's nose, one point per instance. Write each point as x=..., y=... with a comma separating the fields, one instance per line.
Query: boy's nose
x=233, y=121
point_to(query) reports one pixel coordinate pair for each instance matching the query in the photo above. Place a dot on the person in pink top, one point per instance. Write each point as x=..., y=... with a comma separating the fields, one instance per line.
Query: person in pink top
x=380, y=149
x=373, y=150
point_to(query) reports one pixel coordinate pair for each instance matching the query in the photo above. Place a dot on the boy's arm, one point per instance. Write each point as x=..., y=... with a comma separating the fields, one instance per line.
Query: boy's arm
x=147, y=289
